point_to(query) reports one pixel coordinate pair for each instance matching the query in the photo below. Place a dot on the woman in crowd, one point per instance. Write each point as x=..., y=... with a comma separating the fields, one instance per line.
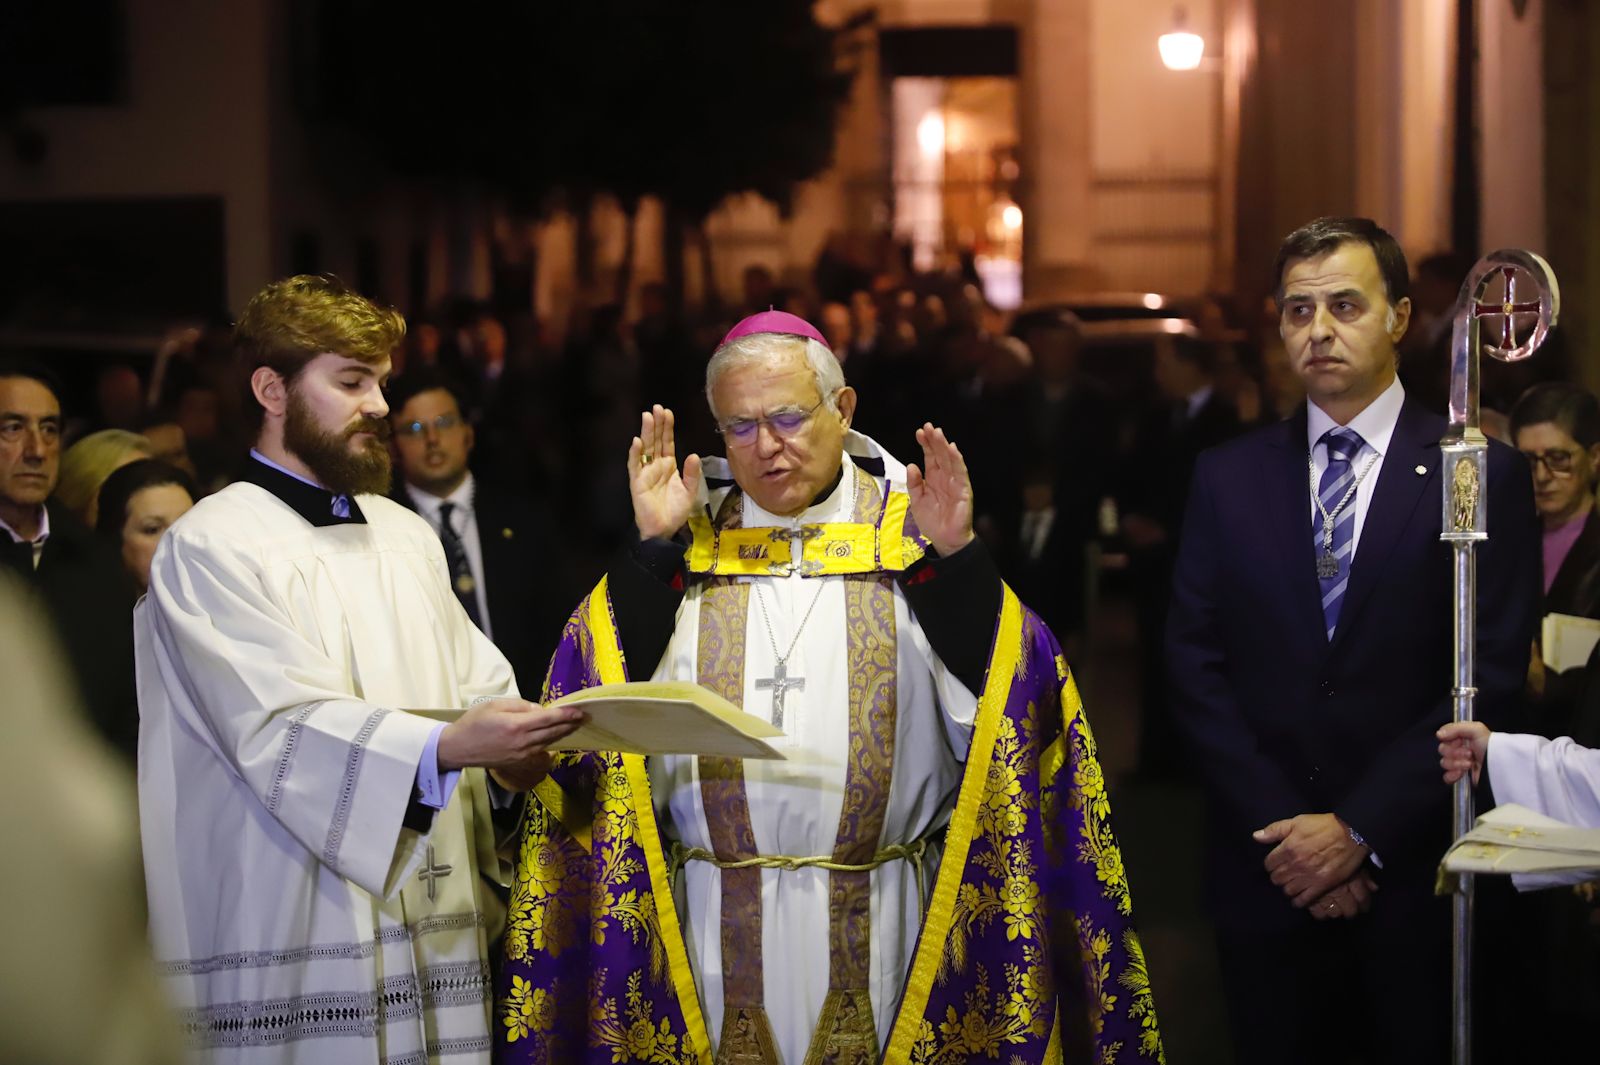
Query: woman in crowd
x=1556, y=954
x=1556, y=426
x=137, y=503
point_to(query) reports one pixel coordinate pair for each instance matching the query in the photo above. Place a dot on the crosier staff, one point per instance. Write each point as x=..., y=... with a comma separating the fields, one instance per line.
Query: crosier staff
x=1528, y=304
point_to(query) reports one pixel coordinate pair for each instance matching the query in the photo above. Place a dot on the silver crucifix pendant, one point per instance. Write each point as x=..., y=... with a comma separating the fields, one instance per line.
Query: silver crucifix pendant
x=1327, y=566
x=780, y=682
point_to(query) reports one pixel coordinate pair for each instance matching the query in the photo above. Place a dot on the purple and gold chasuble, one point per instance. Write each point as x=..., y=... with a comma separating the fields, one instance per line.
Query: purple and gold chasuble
x=1027, y=950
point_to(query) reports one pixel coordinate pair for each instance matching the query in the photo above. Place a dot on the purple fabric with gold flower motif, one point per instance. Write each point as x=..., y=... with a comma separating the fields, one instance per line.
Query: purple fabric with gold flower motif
x=1028, y=944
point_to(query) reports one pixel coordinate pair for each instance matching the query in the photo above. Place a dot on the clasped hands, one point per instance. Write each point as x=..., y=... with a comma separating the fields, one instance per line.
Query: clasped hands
x=1318, y=865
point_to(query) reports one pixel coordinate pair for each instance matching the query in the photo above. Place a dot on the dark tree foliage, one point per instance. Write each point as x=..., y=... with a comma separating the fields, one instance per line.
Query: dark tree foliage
x=687, y=100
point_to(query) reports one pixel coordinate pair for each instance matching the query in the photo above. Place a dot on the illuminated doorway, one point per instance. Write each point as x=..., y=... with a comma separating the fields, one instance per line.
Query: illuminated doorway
x=953, y=116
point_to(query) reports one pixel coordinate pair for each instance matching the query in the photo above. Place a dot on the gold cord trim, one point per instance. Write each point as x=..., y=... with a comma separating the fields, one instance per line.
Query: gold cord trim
x=895, y=852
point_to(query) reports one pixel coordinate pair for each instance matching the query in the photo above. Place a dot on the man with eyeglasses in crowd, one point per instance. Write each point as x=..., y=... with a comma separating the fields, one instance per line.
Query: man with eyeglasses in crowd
x=496, y=548
x=80, y=585
x=815, y=581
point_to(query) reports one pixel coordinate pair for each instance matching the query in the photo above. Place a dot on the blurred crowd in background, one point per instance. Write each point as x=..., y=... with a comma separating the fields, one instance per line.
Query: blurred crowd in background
x=1080, y=421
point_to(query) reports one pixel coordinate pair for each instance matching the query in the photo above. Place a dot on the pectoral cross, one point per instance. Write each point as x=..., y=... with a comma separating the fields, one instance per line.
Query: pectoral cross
x=780, y=682
x=431, y=874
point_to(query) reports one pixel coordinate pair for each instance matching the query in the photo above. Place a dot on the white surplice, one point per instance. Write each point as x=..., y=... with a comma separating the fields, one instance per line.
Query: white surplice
x=1557, y=778
x=289, y=910
x=795, y=804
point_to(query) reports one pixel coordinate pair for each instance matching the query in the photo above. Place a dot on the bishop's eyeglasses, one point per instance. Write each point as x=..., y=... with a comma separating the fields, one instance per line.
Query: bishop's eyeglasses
x=440, y=424
x=1557, y=460
x=783, y=423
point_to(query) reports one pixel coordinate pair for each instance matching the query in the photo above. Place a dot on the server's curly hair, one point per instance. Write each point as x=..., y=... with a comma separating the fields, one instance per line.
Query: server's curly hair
x=292, y=321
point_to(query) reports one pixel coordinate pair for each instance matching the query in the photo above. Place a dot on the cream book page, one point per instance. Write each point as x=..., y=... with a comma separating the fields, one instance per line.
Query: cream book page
x=1513, y=839
x=1566, y=641
x=666, y=717
x=657, y=717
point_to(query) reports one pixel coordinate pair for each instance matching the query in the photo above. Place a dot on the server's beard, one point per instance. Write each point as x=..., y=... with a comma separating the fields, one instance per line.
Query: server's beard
x=342, y=467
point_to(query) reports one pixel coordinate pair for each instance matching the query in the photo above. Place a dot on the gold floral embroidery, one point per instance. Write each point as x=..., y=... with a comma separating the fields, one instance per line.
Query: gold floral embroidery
x=547, y=890
x=986, y=1023
x=637, y=1037
x=1029, y=997
x=545, y=898
x=611, y=906
x=573, y=629
x=561, y=879
x=1002, y=818
x=1098, y=847
x=527, y=1010
x=1021, y=1010
x=1094, y=950
x=544, y=903
x=1021, y=901
x=1142, y=1008
x=549, y=886
x=529, y=1013
x=989, y=1021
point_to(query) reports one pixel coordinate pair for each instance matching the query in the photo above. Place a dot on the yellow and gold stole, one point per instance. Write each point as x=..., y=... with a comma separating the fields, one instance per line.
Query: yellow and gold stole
x=857, y=550
x=875, y=541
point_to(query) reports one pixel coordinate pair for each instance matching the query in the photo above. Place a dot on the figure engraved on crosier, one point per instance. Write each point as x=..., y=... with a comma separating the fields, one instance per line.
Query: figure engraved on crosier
x=1464, y=495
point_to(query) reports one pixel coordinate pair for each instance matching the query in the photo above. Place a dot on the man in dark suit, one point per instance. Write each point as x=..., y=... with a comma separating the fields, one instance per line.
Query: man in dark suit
x=1191, y=416
x=494, y=542
x=82, y=591
x=1067, y=424
x=1311, y=663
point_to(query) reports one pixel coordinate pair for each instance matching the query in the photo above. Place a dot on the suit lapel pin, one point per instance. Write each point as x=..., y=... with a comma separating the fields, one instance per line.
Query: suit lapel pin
x=1421, y=470
x=505, y=534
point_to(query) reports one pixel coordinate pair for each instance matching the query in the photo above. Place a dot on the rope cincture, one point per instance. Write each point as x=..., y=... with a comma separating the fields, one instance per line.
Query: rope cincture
x=914, y=853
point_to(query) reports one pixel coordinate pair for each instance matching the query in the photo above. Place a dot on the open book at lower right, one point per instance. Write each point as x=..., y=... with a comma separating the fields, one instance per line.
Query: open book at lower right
x=1534, y=850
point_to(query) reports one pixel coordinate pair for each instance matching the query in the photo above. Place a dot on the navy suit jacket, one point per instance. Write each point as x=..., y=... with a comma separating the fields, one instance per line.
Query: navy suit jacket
x=1280, y=721
x=529, y=589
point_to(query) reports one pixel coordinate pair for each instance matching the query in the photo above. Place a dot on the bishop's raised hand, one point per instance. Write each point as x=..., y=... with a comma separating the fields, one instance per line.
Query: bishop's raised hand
x=941, y=492
x=662, y=498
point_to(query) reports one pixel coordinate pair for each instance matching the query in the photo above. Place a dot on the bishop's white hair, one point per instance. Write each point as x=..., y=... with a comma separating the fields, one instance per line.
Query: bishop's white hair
x=770, y=347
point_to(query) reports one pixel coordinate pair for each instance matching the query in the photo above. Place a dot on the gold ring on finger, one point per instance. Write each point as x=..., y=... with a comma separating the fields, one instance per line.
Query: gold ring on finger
x=645, y=459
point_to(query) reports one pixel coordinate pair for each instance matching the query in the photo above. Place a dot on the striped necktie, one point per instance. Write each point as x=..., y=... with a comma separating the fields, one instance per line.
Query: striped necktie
x=1337, y=492
x=455, y=556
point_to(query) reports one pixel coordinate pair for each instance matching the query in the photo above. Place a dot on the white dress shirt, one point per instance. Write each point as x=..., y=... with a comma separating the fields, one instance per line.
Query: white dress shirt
x=465, y=522
x=1375, y=425
x=38, y=540
x=1035, y=533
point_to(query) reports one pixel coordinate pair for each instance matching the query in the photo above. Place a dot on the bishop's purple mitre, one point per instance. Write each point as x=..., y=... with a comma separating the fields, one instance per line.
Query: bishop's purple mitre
x=770, y=321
